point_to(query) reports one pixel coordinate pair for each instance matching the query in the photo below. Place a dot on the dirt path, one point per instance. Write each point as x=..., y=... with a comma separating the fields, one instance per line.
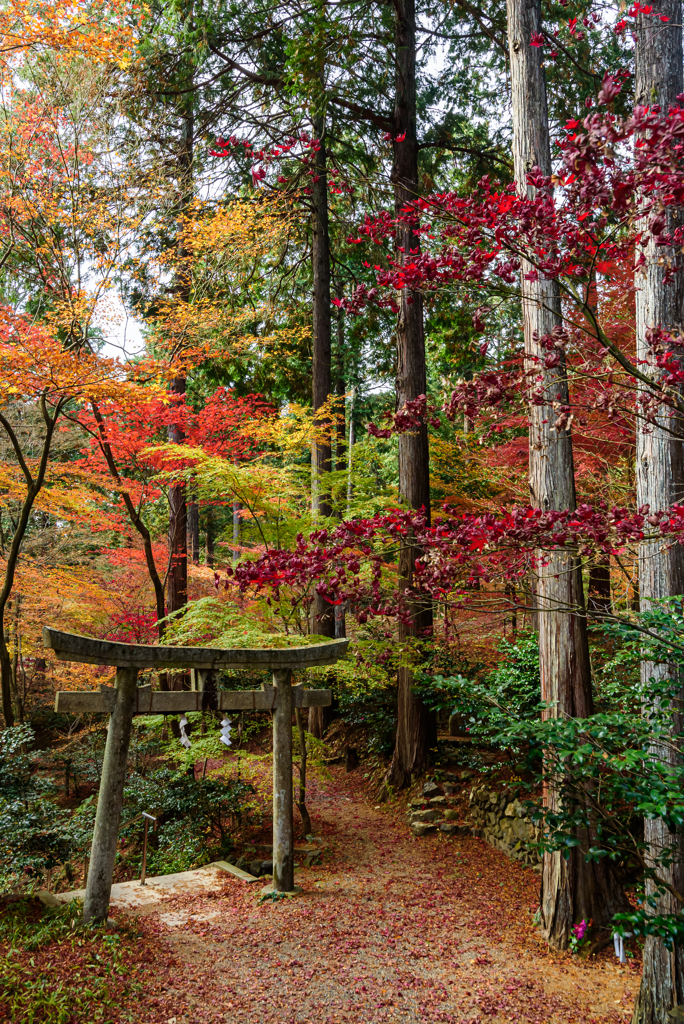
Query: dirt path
x=390, y=928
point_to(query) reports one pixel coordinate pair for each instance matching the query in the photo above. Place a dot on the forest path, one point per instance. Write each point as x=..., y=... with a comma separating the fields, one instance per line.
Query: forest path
x=390, y=929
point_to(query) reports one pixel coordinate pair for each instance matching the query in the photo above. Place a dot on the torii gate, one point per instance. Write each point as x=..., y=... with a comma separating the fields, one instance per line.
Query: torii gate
x=126, y=699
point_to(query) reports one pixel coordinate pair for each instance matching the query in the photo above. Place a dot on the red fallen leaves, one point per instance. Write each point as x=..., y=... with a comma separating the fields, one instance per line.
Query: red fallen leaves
x=89, y=972
x=325, y=958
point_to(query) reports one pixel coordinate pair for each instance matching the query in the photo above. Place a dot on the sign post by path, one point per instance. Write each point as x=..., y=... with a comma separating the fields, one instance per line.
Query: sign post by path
x=126, y=699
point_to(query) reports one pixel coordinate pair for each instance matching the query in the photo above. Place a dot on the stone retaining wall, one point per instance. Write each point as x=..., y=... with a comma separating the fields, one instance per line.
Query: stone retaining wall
x=499, y=816
x=434, y=809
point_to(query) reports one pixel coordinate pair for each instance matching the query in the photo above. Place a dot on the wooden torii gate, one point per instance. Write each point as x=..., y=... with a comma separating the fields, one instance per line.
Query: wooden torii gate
x=126, y=699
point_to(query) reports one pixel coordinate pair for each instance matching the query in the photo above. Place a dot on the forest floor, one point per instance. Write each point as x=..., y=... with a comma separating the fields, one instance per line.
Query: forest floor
x=390, y=928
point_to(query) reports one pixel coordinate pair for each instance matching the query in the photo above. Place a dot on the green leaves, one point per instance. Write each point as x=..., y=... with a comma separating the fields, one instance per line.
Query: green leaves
x=509, y=694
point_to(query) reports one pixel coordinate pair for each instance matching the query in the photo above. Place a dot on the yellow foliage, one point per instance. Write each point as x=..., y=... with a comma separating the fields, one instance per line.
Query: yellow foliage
x=97, y=29
x=227, y=253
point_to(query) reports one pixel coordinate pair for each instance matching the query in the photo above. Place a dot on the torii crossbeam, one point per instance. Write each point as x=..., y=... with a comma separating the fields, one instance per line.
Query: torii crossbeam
x=127, y=699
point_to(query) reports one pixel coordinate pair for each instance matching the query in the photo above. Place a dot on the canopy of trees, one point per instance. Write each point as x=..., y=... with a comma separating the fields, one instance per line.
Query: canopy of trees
x=366, y=319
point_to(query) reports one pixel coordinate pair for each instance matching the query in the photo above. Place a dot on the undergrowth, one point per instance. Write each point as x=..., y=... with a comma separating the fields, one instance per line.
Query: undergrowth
x=57, y=970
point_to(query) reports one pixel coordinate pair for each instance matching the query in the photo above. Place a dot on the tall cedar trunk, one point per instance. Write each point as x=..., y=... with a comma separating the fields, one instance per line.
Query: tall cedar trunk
x=178, y=523
x=322, y=613
x=659, y=482
x=321, y=372
x=599, y=585
x=350, y=450
x=416, y=725
x=340, y=390
x=193, y=531
x=571, y=889
x=340, y=449
x=178, y=511
x=209, y=540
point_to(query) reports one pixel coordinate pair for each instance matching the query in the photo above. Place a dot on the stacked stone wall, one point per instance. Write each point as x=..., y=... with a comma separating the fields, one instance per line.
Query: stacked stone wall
x=500, y=817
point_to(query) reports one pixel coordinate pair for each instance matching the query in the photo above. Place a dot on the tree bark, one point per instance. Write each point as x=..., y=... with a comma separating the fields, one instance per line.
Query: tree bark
x=416, y=724
x=659, y=483
x=599, y=585
x=322, y=613
x=340, y=623
x=209, y=540
x=350, y=451
x=321, y=372
x=178, y=511
x=177, y=582
x=340, y=391
x=570, y=889
x=193, y=542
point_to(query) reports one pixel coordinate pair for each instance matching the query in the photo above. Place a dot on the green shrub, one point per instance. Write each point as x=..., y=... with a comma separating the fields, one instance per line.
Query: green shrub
x=510, y=692
x=375, y=711
x=195, y=817
x=34, y=834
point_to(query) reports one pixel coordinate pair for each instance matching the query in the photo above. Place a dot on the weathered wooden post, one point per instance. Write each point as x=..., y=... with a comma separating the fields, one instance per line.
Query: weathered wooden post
x=283, y=824
x=110, y=800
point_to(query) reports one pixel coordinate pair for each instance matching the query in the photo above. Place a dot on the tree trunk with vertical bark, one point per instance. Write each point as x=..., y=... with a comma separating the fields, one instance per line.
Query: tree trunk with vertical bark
x=193, y=531
x=340, y=391
x=659, y=483
x=599, y=585
x=416, y=724
x=350, y=451
x=321, y=370
x=178, y=510
x=322, y=613
x=570, y=889
x=209, y=540
x=340, y=451
x=177, y=582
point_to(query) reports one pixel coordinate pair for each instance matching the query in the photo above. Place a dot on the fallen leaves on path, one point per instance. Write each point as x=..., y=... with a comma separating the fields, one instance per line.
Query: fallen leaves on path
x=389, y=929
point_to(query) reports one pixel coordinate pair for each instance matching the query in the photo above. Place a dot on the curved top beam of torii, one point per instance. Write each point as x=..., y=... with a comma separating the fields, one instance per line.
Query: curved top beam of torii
x=72, y=647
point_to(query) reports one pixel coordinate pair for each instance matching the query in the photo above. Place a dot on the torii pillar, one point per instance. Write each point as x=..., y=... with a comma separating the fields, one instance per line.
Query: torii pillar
x=126, y=699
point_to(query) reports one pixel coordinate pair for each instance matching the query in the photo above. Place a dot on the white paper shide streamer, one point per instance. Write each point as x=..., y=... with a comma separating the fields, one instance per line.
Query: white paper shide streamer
x=185, y=741
x=225, y=731
x=619, y=943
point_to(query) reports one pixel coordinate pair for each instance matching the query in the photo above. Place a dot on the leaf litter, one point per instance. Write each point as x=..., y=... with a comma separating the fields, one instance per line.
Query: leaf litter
x=390, y=928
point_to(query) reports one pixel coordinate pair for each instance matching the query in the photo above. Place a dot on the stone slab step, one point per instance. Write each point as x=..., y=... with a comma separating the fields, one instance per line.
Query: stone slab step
x=133, y=894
